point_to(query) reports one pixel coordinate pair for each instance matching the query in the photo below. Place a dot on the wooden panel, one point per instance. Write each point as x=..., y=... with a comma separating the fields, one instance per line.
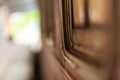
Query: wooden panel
x=97, y=39
x=92, y=12
x=95, y=43
x=100, y=11
x=78, y=12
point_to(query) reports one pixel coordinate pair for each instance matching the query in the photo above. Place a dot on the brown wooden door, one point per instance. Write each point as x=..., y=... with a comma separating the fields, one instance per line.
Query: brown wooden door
x=79, y=39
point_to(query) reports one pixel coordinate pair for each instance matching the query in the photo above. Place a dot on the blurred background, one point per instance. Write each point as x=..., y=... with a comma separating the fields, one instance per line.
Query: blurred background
x=20, y=39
